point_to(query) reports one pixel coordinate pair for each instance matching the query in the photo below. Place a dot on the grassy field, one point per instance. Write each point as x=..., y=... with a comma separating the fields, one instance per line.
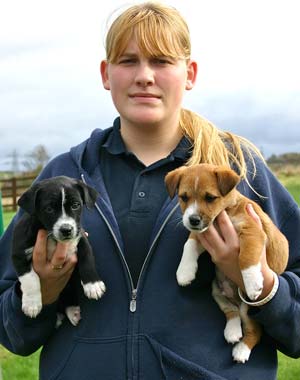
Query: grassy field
x=19, y=368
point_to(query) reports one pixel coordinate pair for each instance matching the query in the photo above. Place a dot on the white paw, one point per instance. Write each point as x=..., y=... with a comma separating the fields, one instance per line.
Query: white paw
x=233, y=331
x=186, y=273
x=73, y=314
x=187, y=269
x=241, y=352
x=32, y=305
x=31, y=293
x=253, y=281
x=94, y=290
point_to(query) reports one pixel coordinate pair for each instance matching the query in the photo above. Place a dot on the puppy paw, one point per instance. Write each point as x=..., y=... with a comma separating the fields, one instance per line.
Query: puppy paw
x=31, y=294
x=253, y=281
x=241, y=352
x=73, y=314
x=233, y=331
x=31, y=305
x=186, y=273
x=94, y=290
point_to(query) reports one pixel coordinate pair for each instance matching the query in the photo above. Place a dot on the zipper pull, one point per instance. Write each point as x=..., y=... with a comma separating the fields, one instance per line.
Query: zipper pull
x=133, y=301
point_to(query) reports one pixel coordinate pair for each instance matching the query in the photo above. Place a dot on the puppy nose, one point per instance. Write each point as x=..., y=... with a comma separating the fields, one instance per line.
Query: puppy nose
x=194, y=220
x=66, y=230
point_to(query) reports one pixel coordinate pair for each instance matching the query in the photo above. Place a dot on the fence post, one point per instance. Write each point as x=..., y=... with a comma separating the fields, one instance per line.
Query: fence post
x=14, y=193
x=1, y=219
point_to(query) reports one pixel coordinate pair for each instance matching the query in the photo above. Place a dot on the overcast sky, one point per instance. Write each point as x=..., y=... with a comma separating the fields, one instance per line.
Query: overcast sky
x=50, y=88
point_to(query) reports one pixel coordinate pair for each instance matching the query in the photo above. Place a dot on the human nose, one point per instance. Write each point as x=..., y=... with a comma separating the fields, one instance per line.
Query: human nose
x=144, y=75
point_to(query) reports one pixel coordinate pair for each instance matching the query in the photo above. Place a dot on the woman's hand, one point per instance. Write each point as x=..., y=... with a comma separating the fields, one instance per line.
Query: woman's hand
x=222, y=243
x=53, y=274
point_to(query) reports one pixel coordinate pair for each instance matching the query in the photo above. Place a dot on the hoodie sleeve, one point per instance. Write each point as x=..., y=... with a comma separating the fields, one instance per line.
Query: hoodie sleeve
x=280, y=317
x=19, y=333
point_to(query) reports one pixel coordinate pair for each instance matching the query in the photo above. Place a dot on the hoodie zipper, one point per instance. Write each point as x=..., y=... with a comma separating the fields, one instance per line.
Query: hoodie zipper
x=134, y=291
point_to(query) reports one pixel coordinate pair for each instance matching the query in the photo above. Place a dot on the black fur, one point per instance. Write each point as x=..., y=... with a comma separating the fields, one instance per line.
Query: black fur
x=55, y=205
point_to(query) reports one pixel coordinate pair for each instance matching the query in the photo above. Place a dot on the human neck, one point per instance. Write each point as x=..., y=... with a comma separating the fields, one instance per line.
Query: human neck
x=150, y=143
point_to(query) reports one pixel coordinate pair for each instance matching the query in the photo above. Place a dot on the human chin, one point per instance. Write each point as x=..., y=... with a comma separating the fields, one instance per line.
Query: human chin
x=145, y=116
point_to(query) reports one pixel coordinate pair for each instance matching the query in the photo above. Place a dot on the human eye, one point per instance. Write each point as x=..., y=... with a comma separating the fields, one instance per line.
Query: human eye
x=127, y=60
x=162, y=60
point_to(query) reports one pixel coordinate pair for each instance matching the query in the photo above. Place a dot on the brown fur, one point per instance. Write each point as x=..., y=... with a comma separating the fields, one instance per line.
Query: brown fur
x=220, y=182
x=210, y=189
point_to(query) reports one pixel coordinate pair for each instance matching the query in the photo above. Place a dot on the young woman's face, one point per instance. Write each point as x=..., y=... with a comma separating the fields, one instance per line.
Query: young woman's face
x=147, y=90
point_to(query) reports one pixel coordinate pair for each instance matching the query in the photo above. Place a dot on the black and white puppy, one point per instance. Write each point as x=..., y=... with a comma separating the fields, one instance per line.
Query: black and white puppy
x=55, y=205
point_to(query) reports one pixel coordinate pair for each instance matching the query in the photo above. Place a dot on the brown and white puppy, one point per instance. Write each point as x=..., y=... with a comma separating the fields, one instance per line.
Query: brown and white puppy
x=205, y=190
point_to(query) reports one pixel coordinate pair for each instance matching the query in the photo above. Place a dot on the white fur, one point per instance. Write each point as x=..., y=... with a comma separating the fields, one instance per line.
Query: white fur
x=241, y=352
x=73, y=314
x=94, y=290
x=253, y=281
x=64, y=219
x=190, y=210
x=188, y=266
x=233, y=330
x=31, y=294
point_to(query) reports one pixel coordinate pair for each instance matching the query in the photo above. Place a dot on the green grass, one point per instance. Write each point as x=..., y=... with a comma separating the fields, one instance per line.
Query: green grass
x=19, y=368
x=288, y=369
x=292, y=183
x=15, y=367
x=7, y=217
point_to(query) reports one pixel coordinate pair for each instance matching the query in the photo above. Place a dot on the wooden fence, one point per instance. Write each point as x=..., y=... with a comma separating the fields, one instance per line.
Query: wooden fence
x=12, y=188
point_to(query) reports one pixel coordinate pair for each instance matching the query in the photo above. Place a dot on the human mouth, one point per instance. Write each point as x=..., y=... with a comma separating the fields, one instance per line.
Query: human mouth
x=144, y=97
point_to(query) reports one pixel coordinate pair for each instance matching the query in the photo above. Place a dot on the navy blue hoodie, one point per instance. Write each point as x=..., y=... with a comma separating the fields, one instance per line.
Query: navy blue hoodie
x=156, y=330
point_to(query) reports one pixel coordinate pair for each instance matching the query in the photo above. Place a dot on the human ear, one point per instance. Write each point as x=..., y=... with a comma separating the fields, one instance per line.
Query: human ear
x=192, y=69
x=104, y=74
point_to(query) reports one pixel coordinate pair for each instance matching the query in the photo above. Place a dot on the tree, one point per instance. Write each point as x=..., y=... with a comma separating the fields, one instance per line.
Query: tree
x=36, y=160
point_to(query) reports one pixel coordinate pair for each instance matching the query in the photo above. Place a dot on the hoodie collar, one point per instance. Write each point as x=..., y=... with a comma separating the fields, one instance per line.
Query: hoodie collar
x=114, y=144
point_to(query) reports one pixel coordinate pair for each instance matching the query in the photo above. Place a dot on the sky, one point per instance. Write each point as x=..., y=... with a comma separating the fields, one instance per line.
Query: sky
x=51, y=92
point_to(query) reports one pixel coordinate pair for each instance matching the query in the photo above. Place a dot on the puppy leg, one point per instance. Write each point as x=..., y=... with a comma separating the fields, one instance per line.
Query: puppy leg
x=252, y=241
x=233, y=329
x=31, y=293
x=188, y=266
x=69, y=302
x=252, y=334
x=92, y=285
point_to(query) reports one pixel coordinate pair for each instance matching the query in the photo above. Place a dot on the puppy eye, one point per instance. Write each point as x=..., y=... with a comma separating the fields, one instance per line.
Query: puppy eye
x=49, y=210
x=75, y=206
x=184, y=198
x=210, y=198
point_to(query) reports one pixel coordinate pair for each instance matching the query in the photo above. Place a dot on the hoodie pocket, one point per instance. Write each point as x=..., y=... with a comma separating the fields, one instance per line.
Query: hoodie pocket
x=86, y=359
x=174, y=366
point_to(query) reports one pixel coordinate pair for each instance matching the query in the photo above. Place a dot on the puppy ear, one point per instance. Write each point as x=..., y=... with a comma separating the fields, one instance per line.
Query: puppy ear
x=88, y=194
x=27, y=201
x=227, y=179
x=172, y=180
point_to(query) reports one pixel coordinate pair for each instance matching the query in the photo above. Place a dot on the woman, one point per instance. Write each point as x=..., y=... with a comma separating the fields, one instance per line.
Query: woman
x=146, y=326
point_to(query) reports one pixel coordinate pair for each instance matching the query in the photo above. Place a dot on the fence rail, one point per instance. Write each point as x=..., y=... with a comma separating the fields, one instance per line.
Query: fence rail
x=12, y=188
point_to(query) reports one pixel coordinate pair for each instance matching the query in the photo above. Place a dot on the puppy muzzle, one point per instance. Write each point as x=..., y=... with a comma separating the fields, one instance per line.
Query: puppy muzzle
x=195, y=223
x=65, y=232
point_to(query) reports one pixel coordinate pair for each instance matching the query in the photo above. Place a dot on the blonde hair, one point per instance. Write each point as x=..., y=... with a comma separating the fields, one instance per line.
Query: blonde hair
x=160, y=30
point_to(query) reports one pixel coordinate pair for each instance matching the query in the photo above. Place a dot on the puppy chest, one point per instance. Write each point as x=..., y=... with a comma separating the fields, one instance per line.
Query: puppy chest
x=51, y=246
